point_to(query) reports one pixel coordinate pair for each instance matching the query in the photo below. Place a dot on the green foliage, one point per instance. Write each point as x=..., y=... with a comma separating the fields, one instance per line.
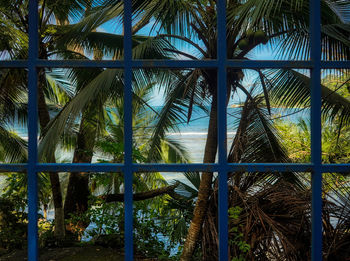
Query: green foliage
x=46, y=234
x=335, y=148
x=296, y=139
x=116, y=151
x=108, y=227
x=236, y=238
x=13, y=227
x=15, y=188
x=149, y=231
x=108, y=218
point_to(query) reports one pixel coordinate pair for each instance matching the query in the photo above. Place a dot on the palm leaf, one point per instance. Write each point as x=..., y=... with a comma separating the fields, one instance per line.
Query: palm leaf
x=13, y=149
x=292, y=89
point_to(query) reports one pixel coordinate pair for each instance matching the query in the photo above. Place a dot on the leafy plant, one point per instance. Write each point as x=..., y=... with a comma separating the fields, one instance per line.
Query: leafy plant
x=46, y=233
x=236, y=236
x=13, y=226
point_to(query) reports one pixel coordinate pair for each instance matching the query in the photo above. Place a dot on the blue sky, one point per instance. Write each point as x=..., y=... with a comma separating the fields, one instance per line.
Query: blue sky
x=261, y=53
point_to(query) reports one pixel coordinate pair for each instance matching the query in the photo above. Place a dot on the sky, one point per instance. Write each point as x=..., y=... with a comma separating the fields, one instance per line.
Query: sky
x=262, y=53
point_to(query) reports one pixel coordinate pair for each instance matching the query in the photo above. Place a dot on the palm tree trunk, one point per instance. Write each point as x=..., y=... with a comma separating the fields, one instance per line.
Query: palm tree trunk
x=204, y=187
x=44, y=119
x=78, y=192
x=45, y=211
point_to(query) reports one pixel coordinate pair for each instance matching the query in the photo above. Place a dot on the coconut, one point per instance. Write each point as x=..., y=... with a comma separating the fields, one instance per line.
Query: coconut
x=249, y=33
x=243, y=44
x=259, y=36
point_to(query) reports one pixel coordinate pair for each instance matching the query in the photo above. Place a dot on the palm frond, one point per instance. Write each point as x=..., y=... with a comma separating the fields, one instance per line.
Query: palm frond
x=292, y=89
x=103, y=83
x=257, y=140
x=183, y=92
x=13, y=149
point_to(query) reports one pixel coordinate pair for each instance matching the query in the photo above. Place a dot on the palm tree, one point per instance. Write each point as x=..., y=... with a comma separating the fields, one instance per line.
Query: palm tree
x=102, y=85
x=249, y=25
x=13, y=148
x=54, y=43
x=14, y=19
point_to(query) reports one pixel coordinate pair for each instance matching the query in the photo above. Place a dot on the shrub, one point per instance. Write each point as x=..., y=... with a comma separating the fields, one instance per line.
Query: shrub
x=13, y=226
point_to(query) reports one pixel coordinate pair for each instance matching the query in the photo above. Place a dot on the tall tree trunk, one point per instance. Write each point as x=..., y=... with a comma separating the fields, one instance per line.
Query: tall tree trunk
x=204, y=187
x=78, y=192
x=45, y=211
x=44, y=119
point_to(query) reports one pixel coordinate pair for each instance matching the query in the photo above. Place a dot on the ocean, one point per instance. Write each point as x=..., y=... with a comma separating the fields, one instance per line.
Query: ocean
x=191, y=135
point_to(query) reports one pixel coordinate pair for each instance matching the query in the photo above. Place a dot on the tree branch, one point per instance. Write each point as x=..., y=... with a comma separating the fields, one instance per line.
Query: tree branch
x=200, y=34
x=142, y=195
x=139, y=25
x=186, y=40
x=181, y=53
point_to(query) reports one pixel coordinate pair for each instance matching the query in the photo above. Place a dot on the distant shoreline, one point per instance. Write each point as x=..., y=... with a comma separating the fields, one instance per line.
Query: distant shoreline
x=272, y=107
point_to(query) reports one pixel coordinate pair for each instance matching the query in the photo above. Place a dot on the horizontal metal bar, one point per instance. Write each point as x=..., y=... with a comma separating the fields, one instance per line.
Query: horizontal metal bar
x=335, y=168
x=283, y=167
x=134, y=63
x=264, y=64
x=335, y=65
x=83, y=167
x=175, y=64
x=13, y=167
x=114, y=167
x=214, y=167
x=270, y=167
x=14, y=64
x=80, y=63
x=175, y=167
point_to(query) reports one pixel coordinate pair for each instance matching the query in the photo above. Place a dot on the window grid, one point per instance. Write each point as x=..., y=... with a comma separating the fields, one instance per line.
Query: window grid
x=128, y=171
x=222, y=167
x=316, y=150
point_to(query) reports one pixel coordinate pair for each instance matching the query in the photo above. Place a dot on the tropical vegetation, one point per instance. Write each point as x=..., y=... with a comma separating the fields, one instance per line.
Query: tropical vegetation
x=81, y=110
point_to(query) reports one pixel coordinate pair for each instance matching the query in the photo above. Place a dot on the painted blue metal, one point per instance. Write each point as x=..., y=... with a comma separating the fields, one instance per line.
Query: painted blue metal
x=222, y=167
x=316, y=159
x=134, y=63
x=222, y=129
x=344, y=168
x=32, y=132
x=335, y=64
x=14, y=64
x=231, y=167
x=128, y=172
x=247, y=64
x=13, y=167
x=251, y=64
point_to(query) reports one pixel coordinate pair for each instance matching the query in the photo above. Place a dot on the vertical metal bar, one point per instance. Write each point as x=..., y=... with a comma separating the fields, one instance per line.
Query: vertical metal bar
x=32, y=132
x=316, y=146
x=128, y=173
x=222, y=130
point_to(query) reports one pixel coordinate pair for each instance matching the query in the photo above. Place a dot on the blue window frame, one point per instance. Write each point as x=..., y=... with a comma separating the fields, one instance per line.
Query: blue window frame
x=222, y=167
